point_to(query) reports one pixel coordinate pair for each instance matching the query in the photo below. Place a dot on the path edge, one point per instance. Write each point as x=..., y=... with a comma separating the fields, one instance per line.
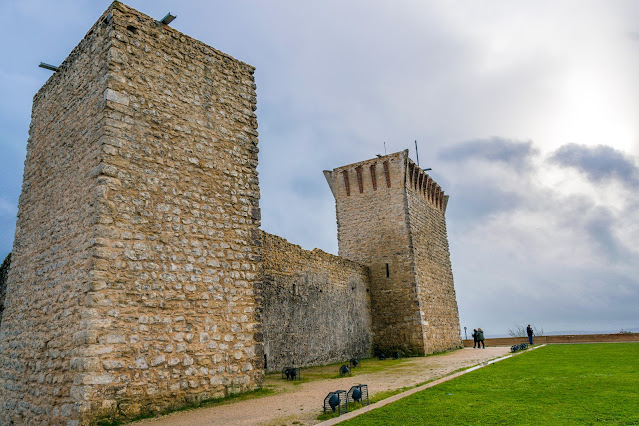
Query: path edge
x=409, y=392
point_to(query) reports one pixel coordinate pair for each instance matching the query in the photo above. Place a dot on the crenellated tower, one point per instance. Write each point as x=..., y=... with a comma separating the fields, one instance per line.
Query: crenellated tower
x=391, y=217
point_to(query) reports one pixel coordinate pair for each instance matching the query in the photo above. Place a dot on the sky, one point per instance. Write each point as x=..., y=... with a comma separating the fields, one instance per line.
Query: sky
x=527, y=112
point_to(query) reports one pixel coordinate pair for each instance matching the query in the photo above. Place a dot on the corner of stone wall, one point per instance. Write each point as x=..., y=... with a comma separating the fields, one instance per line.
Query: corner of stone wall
x=115, y=241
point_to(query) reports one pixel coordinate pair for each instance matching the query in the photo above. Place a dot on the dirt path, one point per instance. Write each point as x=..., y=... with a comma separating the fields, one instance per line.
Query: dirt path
x=301, y=403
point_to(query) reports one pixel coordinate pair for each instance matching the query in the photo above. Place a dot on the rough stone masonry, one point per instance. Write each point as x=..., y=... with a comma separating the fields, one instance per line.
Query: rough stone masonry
x=390, y=217
x=139, y=279
x=137, y=249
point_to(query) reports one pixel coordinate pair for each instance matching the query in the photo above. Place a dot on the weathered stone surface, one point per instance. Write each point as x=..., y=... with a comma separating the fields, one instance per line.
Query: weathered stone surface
x=132, y=243
x=49, y=275
x=316, y=306
x=139, y=279
x=390, y=217
x=433, y=271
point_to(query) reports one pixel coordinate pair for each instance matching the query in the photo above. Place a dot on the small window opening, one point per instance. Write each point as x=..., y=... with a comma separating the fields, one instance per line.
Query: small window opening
x=387, y=271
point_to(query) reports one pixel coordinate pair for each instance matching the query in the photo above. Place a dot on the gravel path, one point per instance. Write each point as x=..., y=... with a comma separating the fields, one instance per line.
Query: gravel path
x=300, y=404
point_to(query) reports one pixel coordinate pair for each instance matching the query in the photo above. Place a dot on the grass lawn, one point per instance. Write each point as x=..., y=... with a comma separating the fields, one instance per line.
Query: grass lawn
x=274, y=381
x=556, y=384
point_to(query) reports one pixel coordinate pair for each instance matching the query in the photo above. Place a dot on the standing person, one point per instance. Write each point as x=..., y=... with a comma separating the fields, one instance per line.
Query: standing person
x=474, y=338
x=529, y=331
x=480, y=338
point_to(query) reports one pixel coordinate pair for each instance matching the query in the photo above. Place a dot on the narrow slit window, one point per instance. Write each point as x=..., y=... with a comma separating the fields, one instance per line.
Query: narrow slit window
x=387, y=271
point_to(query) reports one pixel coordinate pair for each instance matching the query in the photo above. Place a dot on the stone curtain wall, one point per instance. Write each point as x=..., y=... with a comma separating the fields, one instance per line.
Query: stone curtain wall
x=137, y=247
x=316, y=306
x=41, y=353
x=373, y=230
x=433, y=270
x=138, y=259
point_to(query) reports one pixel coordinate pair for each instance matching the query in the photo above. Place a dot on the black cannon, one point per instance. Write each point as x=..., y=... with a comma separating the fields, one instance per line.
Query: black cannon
x=358, y=393
x=333, y=401
x=344, y=370
x=520, y=347
x=336, y=402
x=291, y=373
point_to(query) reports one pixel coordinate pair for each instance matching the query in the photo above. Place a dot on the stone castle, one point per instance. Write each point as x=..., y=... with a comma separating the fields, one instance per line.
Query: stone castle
x=140, y=280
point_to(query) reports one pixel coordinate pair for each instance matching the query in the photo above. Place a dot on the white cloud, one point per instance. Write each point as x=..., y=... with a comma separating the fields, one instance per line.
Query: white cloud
x=550, y=252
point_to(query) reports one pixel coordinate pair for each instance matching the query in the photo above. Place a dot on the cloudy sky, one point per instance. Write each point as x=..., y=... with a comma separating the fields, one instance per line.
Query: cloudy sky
x=528, y=113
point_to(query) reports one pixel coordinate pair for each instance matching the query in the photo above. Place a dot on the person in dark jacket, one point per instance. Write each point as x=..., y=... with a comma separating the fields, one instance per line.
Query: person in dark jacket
x=529, y=331
x=480, y=338
x=474, y=338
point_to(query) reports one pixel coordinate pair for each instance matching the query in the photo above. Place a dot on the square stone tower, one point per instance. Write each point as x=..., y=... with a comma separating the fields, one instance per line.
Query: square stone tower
x=391, y=218
x=137, y=249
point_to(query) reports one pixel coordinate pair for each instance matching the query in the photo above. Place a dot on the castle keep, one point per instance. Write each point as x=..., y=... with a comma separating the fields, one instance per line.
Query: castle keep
x=390, y=217
x=139, y=279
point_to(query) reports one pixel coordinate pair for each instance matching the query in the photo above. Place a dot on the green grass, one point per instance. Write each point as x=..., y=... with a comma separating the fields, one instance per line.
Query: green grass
x=331, y=371
x=366, y=366
x=557, y=384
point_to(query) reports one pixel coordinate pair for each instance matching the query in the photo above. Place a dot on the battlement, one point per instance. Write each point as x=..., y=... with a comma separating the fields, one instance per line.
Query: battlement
x=395, y=170
x=391, y=218
x=419, y=181
x=139, y=279
x=366, y=177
